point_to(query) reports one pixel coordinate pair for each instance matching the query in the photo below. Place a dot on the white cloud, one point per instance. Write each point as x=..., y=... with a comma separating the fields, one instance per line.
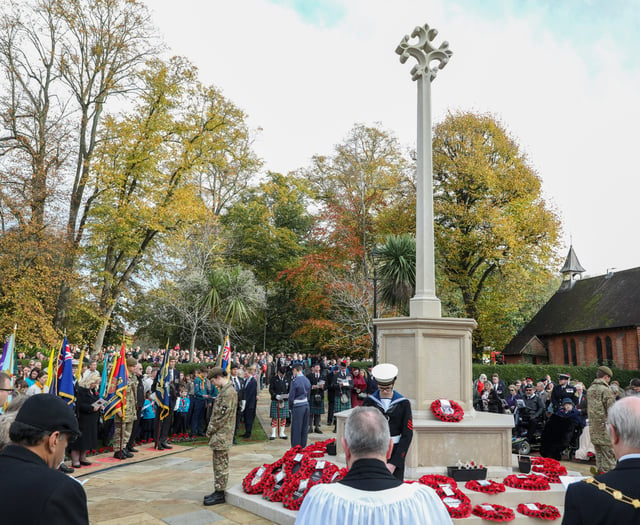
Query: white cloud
x=571, y=108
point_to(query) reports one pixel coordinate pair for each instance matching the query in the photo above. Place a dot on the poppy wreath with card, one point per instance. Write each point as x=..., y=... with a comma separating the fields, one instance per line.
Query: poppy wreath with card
x=274, y=484
x=455, y=417
x=457, y=502
x=338, y=475
x=494, y=512
x=313, y=472
x=486, y=486
x=549, y=467
x=318, y=449
x=527, y=482
x=542, y=511
x=433, y=480
x=254, y=482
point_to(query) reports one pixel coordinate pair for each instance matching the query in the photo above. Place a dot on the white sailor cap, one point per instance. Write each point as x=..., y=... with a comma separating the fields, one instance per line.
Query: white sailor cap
x=385, y=373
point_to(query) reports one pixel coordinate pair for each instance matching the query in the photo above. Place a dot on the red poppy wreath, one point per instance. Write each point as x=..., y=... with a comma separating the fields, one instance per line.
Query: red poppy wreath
x=434, y=480
x=539, y=510
x=494, y=512
x=457, y=503
x=254, y=482
x=486, y=486
x=453, y=415
x=527, y=482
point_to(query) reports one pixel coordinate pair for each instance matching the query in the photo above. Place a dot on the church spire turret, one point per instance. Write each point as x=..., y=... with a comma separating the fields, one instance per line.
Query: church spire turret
x=571, y=271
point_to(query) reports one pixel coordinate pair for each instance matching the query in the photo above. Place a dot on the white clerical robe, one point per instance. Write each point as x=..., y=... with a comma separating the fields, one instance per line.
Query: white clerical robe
x=408, y=504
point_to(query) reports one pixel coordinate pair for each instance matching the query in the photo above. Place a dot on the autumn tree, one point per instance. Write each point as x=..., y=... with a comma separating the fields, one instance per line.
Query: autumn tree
x=495, y=235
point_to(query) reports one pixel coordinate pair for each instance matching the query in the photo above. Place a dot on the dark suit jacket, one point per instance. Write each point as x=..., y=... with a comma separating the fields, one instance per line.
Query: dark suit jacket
x=250, y=392
x=370, y=474
x=34, y=494
x=585, y=504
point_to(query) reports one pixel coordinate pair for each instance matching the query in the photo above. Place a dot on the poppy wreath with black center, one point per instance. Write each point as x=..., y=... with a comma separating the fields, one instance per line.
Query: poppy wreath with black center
x=459, y=510
x=544, y=512
x=497, y=512
x=490, y=487
x=456, y=417
x=318, y=449
x=527, y=482
x=433, y=480
x=254, y=482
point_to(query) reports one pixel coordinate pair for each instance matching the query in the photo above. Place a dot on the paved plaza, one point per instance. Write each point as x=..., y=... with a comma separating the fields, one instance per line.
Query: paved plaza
x=167, y=487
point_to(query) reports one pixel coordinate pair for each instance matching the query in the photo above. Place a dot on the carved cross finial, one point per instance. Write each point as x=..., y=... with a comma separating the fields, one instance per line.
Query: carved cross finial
x=424, y=52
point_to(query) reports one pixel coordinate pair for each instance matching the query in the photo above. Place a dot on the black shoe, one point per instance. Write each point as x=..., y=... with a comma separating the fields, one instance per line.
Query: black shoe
x=127, y=453
x=158, y=446
x=120, y=455
x=318, y=431
x=132, y=449
x=85, y=463
x=246, y=436
x=214, y=499
x=64, y=469
x=271, y=438
x=166, y=445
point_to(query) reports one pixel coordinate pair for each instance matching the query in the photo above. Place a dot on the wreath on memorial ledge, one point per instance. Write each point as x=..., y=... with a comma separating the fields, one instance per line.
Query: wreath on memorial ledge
x=434, y=480
x=549, y=467
x=338, y=475
x=542, y=511
x=254, y=482
x=311, y=473
x=455, y=417
x=486, y=486
x=494, y=512
x=527, y=482
x=318, y=449
x=457, y=502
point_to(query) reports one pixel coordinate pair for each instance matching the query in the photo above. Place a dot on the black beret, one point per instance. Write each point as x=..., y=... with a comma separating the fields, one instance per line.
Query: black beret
x=50, y=413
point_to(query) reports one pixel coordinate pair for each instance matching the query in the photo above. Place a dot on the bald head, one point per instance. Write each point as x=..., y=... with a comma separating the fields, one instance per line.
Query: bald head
x=624, y=423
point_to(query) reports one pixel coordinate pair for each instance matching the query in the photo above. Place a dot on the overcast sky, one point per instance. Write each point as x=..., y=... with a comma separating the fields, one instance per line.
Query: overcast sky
x=562, y=76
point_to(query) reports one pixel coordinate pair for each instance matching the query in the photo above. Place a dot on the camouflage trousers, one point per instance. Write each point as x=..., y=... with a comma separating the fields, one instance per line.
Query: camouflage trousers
x=220, y=469
x=122, y=433
x=605, y=458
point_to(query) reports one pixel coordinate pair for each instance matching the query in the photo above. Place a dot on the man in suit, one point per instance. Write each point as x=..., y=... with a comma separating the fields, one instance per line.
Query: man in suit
x=614, y=497
x=316, y=398
x=251, y=400
x=238, y=385
x=33, y=490
x=369, y=493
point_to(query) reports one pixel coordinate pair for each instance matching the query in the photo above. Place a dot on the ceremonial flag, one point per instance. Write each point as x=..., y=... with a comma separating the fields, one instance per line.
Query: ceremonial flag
x=226, y=354
x=7, y=357
x=163, y=387
x=62, y=382
x=52, y=358
x=117, y=386
x=105, y=375
x=80, y=361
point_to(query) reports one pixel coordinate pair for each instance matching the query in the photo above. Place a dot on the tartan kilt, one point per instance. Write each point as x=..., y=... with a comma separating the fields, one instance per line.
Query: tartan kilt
x=316, y=407
x=284, y=411
x=339, y=406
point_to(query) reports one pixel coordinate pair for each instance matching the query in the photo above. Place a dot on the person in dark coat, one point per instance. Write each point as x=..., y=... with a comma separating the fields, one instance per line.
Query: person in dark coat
x=279, y=411
x=33, y=490
x=612, y=498
x=251, y=400
x=87, y=394
x=316, y=398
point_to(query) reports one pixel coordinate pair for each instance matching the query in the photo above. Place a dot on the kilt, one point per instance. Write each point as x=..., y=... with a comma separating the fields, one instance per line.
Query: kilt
x=316, y=407
x=339, y=406
x=284, y=410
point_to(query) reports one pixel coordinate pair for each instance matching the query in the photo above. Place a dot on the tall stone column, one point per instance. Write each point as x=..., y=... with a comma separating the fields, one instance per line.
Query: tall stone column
x=424, y=304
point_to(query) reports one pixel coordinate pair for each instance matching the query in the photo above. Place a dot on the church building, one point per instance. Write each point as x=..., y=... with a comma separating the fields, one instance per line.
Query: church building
x=587, y=322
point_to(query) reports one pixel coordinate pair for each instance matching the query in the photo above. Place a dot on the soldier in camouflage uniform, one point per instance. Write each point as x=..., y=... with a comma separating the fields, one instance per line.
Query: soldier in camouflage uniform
x=600, y=398
x=220, y=432
x=124, y=425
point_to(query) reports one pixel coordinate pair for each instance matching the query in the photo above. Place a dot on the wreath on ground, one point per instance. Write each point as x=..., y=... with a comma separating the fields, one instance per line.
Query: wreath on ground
x=486, y=486
x=318, y=449
x=539, y=510
x=453, y=417
x=457, y=502
x=312, y=473
x=254, y=482
x=434, y=480
x=549, y=467
x=527, y=482
x=494, y=512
